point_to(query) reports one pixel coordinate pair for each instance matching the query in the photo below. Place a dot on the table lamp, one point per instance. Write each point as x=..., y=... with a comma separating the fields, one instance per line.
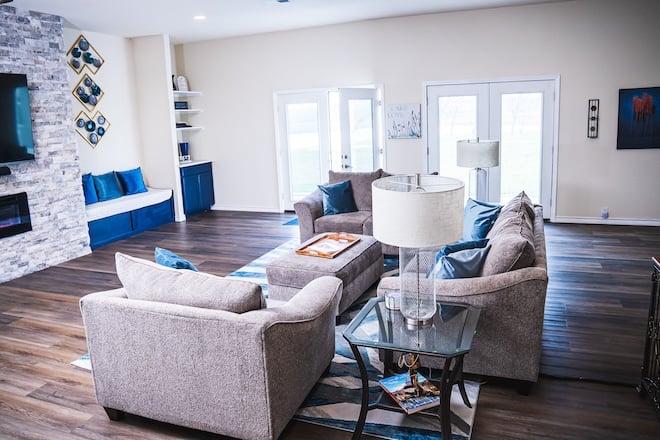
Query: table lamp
x=478, y=155
x=415, y=212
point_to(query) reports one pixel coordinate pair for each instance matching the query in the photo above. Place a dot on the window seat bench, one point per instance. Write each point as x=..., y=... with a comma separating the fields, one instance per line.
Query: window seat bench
x=119, y=218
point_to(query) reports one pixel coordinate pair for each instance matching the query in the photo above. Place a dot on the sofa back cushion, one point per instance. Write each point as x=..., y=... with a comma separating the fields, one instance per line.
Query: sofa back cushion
x=144, y=280
x=361, y=184
x=511, y=237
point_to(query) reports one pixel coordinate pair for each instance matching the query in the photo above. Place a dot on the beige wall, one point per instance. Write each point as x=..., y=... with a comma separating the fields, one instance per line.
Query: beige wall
x=595, y=46
x=120, y=147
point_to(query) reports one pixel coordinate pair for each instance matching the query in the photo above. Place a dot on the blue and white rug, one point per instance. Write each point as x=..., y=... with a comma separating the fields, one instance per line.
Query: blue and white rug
x=255, y=270
x=335, y=400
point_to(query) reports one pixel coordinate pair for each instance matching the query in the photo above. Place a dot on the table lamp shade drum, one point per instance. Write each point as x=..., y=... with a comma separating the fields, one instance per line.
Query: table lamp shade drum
x=477, y=154
x=413, y=213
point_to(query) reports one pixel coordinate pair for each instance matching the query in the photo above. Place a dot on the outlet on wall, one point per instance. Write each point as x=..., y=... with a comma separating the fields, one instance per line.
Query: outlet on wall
x=604, y=213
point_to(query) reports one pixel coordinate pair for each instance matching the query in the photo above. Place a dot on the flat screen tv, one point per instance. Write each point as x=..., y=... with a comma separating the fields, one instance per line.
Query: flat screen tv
x=16, y=142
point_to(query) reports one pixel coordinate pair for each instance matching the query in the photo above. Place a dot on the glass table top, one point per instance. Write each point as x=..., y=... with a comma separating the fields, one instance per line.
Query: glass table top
x=449, y=335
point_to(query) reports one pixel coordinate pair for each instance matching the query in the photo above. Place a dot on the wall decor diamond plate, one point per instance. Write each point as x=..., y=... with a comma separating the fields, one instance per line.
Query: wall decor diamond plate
x=92, y=128
x=82, y=55
x=88, y=92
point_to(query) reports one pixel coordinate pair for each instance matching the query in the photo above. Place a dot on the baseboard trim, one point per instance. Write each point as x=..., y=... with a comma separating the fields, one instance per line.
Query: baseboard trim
x=246, y=209
x=608, y=221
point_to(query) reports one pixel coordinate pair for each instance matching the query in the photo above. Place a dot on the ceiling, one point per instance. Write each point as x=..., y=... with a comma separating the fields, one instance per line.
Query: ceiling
x=228, y=18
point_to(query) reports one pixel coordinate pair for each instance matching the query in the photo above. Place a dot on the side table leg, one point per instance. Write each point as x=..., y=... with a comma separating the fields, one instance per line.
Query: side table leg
x=364, y=405
x=445, y=400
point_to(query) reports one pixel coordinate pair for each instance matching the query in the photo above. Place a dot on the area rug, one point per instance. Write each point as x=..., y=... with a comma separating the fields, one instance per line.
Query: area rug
x=292, y=222
x=335, y=400
x=255, y=270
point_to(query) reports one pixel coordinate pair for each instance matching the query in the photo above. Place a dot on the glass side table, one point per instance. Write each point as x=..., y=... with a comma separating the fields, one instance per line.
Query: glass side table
x=449, y=337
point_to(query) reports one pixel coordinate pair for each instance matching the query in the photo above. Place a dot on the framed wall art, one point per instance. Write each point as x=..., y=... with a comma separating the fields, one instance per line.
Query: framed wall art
x=639, y=118
x=404, y=121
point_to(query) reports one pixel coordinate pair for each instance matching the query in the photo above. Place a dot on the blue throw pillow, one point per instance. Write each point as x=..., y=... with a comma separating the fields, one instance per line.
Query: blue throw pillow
x=88, y=189
x=107, y=186
x=170, y=259
x=132, y=181
x=462, y=264
x=460, y=246
x=478, y=218
x=338, y=198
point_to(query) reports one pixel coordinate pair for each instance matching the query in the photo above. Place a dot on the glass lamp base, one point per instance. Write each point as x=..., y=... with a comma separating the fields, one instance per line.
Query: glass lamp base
x=412, y=324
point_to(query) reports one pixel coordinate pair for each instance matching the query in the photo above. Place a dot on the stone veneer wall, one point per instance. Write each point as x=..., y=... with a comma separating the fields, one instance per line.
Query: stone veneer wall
x=32, y=43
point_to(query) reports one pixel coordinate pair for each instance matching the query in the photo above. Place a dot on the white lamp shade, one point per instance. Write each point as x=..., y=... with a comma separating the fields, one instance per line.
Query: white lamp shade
x=411, y=216
x=477, y=154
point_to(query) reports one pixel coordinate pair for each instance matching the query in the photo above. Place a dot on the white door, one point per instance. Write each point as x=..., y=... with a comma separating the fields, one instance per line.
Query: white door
x=304, y=144
x=359, y=124
x=520, y=114
x=318, y=131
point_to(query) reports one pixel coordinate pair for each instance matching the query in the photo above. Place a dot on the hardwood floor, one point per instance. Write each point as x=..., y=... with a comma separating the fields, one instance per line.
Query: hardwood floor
x=594, y=328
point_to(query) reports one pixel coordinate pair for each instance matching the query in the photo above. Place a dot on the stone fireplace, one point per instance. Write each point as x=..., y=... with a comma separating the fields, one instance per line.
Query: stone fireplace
x=49, y=204
x=14, y=215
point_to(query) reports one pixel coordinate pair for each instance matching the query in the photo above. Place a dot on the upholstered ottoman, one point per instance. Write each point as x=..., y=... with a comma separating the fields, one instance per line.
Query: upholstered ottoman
x=358, y=267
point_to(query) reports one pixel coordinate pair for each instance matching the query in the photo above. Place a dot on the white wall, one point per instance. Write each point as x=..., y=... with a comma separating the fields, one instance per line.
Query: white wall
x=596, y=46
x=120, y=147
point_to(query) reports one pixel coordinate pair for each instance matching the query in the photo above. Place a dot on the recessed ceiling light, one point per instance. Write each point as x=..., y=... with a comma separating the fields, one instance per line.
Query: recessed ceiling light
x=200, y=17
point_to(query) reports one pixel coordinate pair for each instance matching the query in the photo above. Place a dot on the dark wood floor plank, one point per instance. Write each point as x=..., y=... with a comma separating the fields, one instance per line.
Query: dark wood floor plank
x=595, y=319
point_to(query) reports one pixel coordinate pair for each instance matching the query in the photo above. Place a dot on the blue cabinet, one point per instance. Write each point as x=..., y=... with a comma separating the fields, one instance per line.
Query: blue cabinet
x=197, y=188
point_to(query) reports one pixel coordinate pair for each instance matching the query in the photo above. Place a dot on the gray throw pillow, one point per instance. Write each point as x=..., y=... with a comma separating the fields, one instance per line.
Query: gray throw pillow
x=148, y=281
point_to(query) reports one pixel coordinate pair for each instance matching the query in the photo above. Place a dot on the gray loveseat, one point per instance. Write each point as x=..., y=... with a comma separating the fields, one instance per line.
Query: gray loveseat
x=511, y=293
x=310, y=209
x=241, y=374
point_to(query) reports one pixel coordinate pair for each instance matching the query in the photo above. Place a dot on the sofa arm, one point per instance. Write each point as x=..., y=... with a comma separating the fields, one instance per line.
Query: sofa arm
x=309, y=209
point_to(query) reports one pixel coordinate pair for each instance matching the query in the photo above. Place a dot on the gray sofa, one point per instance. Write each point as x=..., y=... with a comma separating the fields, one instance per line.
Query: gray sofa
x=511, y=293
x=239, y=374
x=310, y=209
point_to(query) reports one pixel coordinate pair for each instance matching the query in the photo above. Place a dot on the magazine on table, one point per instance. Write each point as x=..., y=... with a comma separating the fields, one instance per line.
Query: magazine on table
x=400, y=389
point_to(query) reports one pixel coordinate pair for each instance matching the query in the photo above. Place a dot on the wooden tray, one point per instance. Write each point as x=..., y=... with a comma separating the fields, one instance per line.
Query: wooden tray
x=328, y=245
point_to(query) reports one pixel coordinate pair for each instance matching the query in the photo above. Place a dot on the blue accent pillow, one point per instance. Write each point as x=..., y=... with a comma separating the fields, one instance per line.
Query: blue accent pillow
x=338, y=198
x=478, y=218
x=132, y=181
x=170, y=259
x=462, y=264
x=460, y=246
x=107, y=186
x=88, y=189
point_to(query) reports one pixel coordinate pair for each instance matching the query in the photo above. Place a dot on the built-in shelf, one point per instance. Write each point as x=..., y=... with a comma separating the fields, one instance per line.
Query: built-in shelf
x=189, y=128
x=187, y=111
x=178, y=93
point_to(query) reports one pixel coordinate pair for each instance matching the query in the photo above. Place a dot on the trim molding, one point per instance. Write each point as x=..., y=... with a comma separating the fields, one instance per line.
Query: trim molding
x=247, y=209
x=609, y=221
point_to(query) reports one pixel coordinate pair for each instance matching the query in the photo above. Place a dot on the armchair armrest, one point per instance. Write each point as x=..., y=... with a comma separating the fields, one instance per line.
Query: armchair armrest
x=309, y=209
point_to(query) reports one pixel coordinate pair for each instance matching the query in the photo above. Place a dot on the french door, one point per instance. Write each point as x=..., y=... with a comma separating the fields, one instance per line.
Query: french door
x=318, y=131
x=519, y=114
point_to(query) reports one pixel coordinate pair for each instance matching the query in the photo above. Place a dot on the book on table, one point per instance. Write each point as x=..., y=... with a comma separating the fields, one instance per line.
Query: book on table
x=400, y=389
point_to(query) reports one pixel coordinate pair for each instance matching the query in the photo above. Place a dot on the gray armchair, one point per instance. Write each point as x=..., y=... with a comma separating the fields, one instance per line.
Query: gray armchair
x=310, y=209
x=238, y=374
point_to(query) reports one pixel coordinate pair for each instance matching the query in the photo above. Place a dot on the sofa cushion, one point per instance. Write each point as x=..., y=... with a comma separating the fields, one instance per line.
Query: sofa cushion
x=361, y=183
x=478, y=218
x=88, y=189
x=107, y=186
x=132, y=181
x=338, y=198
x=352, y=222
x=512, y=246
x=465, y=263
x=168, y=258
x=147, y=281
x=521, y=202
